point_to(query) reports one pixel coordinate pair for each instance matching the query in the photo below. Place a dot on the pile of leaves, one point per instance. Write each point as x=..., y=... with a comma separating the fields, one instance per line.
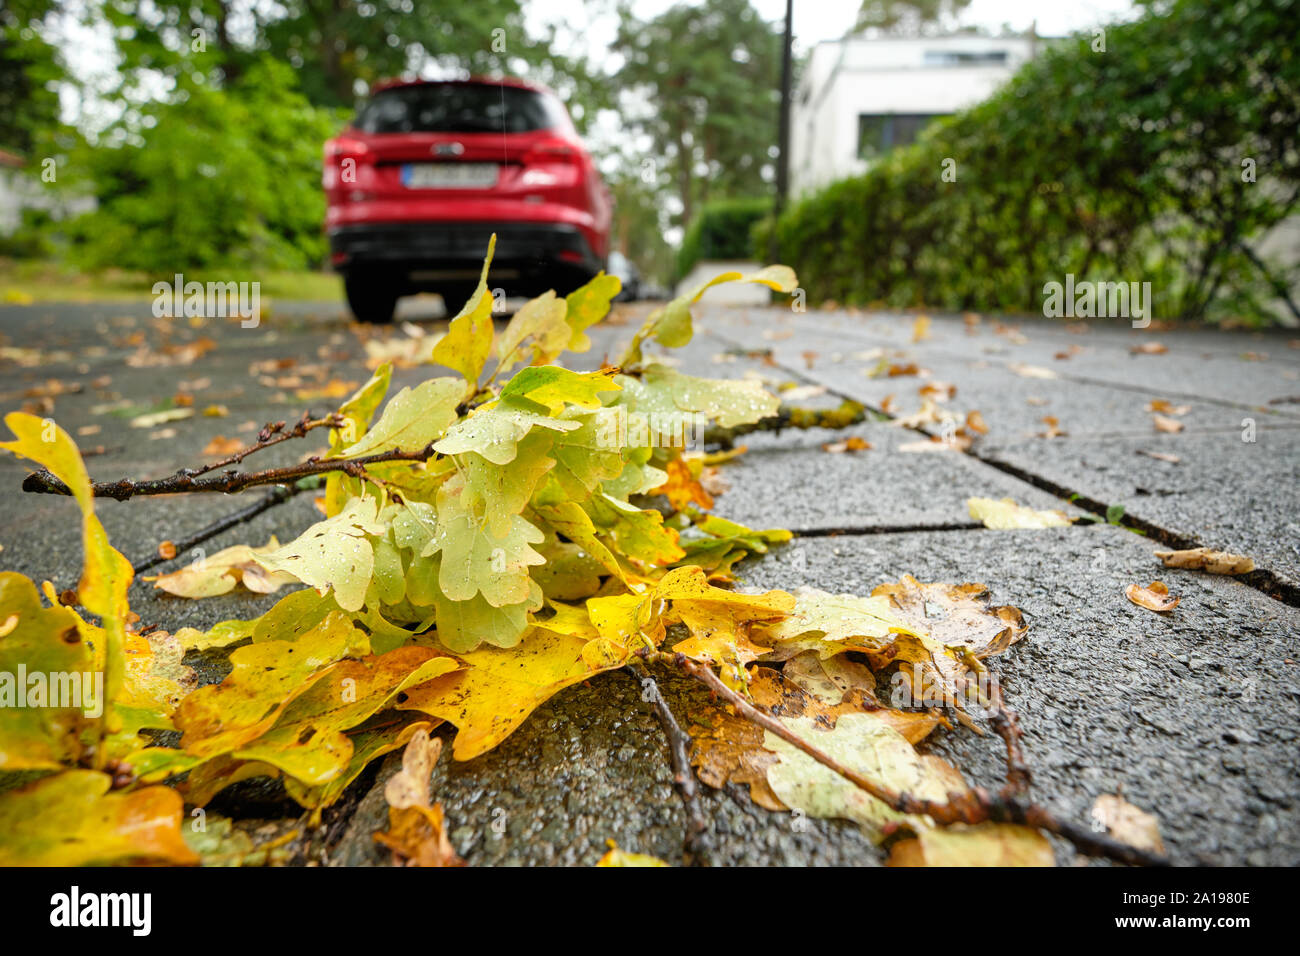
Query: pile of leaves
x=488, y=540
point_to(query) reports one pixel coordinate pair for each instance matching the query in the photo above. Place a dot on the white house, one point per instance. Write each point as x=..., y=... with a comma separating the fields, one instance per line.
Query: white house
x=860, y=96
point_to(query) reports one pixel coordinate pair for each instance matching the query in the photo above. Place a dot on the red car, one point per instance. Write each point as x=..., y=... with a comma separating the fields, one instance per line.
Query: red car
x=427, y=171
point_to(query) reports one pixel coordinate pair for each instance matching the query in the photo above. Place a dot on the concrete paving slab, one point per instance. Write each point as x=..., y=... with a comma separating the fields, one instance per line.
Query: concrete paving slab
x=1223, y=492
x=786, y=480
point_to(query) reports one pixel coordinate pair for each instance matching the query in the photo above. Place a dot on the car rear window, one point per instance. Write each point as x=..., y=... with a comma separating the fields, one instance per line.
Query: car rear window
x=458, y=108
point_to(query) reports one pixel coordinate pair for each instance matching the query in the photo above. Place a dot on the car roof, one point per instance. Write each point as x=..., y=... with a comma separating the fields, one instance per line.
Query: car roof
x=464, y=81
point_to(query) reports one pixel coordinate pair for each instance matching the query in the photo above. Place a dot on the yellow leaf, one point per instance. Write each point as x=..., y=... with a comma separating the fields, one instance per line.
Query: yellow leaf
x=616, y=857
x=71, y=819
x=1207, y=559
x=498, y=688
x=987, y=844
x=468, y=341
x=223, y=571
x=1006, y=514
x=106, y=574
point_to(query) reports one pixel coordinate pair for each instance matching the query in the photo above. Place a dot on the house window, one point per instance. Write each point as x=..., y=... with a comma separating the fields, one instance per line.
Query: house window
x=878, y=133
x=962, y=57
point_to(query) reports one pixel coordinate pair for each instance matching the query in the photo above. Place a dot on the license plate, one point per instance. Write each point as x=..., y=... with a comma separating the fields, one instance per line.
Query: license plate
x=449, y=175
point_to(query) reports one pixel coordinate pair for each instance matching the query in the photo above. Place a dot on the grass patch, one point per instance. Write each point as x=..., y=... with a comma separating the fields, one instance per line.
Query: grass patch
x=25, y=282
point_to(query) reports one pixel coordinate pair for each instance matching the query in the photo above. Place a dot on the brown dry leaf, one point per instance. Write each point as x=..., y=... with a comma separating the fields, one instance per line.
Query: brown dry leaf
x=1031, y=371
x=1159, y=456
x=1207, y=559
x=1069, y=353
x=849, y=444
x=1153, y=597
x=887, y=404
x=899, y=369
x=1149, y=348
x=939, y=391
x=221, y=446
x=417, y=831
x=921, y=328
x=221, y=572
x=955, y=615
x=986, y=844
x=1165, y=424
x=975, y=422
x=1167, y=408
x=729, y=748
x=1053, y=428
x=1127, y=823
x=809, y=357
x=166, y=550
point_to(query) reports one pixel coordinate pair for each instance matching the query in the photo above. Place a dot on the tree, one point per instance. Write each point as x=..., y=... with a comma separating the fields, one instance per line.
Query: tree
x=907, y=17
x=29, y=66
x=707, y=76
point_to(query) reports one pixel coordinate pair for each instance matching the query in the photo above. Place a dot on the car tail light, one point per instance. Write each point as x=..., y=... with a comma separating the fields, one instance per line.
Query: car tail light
x=551, y=151
x=345, y=146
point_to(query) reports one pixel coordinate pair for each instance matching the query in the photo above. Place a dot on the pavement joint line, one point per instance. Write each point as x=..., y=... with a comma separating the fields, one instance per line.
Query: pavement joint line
x=886, y=529
x=1262, y=580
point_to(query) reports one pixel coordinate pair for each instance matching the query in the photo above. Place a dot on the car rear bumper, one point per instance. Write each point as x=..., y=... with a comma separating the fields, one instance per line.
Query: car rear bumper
x=426, y=255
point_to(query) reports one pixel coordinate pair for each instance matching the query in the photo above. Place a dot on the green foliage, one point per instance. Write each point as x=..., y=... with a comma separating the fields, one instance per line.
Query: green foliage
x=1118, y=166
x=711, y=73
x=216, y=177
x=29, y=66
x=721, y=231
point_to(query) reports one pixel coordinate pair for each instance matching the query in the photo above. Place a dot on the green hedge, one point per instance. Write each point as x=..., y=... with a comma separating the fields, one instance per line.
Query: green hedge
x=721, y=230
x=1123, y=165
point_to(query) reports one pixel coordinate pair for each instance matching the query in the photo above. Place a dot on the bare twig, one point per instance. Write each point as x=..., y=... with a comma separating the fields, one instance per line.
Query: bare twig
x=273, y=433
x=697, y=851
x=974, y=806
x=42, y=482
x=276, y=496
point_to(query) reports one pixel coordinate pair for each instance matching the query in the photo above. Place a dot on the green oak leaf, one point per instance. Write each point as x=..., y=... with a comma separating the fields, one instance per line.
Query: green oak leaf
x=335, y=553
x=538, y=326
x=468, y=341
x=587, y=305
x=555, y=386
x=494, y=430
x=414, y=418
x=474, y=561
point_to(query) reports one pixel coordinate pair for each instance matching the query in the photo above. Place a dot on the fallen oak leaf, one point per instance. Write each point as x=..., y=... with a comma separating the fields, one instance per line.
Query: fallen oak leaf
x=1207, y=559
x=616, y=857
x=1127, y=823
x=1154, y=597
x=222, y=572
x=869, y=747
x=417, y=830
x=985, y=844
x=853, y=443
x=1006, y=514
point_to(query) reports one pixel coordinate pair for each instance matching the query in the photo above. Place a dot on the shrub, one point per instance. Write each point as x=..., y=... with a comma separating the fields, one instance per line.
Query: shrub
x=721, y=230
x=1119, y=166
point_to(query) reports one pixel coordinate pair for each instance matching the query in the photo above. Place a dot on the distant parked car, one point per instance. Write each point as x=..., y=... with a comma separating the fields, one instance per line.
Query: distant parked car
x=623, y=267
x=427, y=171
